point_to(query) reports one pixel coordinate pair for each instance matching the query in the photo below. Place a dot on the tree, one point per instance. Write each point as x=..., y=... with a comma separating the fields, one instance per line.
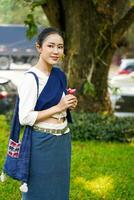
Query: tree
x=93, y=30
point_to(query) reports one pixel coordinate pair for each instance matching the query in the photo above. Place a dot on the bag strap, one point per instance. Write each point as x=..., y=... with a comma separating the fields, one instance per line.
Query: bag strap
x=16, y=126
x=37, y=81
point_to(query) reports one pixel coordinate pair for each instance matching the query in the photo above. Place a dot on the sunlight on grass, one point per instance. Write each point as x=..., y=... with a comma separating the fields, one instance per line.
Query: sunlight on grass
x=100, y=186
x=131, y=144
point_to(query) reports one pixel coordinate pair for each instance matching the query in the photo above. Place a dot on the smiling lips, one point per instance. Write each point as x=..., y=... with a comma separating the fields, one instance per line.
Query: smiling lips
x=54, y=57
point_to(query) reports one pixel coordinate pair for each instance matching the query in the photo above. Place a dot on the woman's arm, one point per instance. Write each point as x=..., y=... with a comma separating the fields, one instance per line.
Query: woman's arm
x=66, y=102
x=27, y=91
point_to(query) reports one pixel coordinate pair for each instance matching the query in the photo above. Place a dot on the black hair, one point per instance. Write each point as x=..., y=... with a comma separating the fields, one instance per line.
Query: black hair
x=45, y=33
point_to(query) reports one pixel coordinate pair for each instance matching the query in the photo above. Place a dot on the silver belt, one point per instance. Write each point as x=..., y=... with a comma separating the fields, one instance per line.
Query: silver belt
x=52, y=131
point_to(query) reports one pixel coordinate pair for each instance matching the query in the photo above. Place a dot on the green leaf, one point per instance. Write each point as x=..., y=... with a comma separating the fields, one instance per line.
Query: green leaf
x=89, y=89
x=32, y=27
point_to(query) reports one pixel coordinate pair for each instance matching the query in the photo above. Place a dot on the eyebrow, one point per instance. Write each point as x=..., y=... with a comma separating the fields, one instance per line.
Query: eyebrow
x=54, y=43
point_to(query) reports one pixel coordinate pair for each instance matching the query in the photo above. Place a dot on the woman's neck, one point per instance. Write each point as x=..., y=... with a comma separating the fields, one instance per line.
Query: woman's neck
x=44, y=67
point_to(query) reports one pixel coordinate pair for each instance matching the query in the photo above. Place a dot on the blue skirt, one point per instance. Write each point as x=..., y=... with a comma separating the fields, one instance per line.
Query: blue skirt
x=50, y=167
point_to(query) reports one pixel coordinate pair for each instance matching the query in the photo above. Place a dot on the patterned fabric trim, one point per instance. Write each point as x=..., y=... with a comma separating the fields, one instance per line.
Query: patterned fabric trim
x=13, y=149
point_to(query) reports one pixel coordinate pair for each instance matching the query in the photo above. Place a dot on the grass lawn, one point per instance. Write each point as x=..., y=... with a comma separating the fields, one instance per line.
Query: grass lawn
x=99, y=170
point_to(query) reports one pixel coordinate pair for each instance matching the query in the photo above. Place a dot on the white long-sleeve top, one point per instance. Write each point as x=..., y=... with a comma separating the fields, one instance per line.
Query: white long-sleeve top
x=27, y=91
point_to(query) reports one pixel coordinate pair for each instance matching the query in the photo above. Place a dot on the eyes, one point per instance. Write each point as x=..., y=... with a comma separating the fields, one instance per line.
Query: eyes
x=53, y=46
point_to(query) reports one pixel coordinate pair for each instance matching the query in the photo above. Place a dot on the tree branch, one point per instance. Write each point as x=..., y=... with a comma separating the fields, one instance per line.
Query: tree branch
x=123, y=25
x=51, y=9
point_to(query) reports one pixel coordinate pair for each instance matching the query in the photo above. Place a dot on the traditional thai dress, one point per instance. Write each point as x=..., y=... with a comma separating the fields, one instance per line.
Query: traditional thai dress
x=50, y=155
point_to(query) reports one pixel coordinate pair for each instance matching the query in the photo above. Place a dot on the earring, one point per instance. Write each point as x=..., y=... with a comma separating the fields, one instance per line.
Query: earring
x=62, y=57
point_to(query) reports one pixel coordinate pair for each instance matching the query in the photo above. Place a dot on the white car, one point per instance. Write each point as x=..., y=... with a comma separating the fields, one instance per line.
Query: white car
x=122, y=89
x=126, y=66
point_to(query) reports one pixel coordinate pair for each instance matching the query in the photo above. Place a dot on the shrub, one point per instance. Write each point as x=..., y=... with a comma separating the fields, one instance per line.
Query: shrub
x=89, y=126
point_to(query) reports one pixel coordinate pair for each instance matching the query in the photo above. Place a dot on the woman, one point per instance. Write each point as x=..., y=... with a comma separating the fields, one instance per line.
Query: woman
x=49, y=115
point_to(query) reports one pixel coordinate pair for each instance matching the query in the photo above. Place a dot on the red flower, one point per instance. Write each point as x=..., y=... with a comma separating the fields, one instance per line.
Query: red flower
x=71, y=91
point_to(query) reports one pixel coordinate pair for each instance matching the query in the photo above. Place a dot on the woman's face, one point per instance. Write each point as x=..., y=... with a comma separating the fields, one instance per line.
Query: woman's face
x=52, y=49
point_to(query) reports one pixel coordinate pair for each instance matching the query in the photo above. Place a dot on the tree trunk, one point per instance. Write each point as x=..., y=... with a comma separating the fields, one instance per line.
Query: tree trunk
x=88, y=56
x=90, y=42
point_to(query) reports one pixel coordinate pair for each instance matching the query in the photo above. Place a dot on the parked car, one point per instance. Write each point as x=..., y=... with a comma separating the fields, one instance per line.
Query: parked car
x=15, y=46
x=126, y=66
x=8, y=93
x=122, y=92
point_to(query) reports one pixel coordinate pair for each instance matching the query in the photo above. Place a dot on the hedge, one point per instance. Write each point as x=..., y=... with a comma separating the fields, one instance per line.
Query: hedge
x=87, y=126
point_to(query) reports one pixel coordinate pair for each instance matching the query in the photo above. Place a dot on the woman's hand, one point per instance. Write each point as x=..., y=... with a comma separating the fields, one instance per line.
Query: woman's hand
x=68, y=101
x=74, y=105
